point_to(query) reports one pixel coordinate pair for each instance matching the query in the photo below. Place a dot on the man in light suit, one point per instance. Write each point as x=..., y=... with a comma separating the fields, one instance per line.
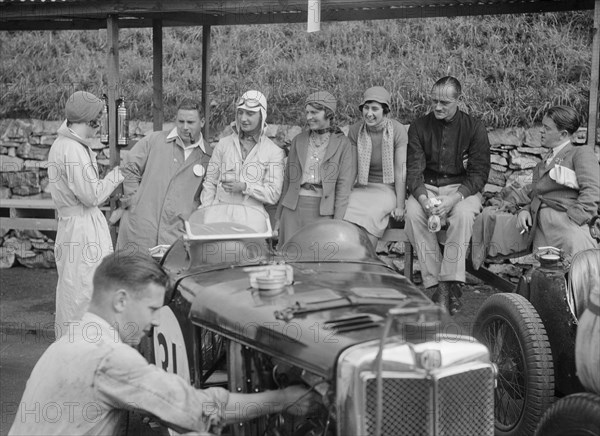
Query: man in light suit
x=565, y=190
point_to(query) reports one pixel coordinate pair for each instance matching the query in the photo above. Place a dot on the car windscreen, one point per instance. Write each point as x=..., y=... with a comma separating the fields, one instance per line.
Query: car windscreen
x=228, y=221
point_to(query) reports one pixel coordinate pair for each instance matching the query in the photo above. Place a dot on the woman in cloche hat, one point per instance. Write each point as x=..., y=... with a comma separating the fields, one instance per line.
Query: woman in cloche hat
x=381, y=144
x=319, y=173
x=83, y=237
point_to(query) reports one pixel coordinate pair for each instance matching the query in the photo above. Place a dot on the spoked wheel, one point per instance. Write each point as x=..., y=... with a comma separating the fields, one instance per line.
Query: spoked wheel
x=515, y=335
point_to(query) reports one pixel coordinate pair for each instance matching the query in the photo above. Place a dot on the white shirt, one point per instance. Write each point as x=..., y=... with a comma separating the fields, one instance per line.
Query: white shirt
x=186, y=150
x=86, y=381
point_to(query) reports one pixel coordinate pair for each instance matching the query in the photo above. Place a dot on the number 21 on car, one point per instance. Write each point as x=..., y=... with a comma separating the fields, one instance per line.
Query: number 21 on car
x=170, y=353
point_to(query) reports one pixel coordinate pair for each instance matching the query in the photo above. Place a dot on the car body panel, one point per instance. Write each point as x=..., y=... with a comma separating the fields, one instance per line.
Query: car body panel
x=277, y=318
x=545, y=287
x=234, y=309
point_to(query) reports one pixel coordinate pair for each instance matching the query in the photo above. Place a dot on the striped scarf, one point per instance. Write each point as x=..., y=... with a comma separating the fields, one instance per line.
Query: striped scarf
x=387, y=151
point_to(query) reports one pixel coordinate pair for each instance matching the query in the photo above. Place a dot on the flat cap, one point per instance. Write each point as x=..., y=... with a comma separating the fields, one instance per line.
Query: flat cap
x=323, y=98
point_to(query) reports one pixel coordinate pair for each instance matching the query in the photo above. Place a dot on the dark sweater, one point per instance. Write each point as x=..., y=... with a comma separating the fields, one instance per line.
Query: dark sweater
x=442, y=153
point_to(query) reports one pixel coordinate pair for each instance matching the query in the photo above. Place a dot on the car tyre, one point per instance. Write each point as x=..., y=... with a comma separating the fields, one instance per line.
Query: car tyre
x=511, y=328
x=573, y=415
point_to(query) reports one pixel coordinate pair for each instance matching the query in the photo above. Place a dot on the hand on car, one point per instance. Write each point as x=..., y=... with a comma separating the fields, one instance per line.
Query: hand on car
x=299, y=400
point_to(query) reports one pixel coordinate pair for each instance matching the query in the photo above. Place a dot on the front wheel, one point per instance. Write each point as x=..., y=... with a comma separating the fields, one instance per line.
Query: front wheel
x=574, y=415
x=511, y=328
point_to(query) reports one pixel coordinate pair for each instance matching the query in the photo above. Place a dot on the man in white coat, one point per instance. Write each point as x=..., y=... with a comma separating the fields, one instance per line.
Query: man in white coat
x=82, y=237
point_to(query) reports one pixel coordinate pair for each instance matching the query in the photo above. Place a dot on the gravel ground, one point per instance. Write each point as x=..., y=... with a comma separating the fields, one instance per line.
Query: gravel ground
x=475, y=292
x=27, y=297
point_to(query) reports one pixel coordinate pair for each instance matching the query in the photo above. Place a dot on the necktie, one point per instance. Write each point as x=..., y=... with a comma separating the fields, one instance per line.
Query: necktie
x=548, y=158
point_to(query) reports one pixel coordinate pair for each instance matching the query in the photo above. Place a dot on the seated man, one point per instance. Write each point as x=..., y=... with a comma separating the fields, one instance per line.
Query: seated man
x=560, y=203
x=93, y=375
x=448, y=161
x=565, y=192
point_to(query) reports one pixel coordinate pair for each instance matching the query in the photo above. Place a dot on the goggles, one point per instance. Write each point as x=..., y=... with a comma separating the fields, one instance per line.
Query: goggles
x=251, y=103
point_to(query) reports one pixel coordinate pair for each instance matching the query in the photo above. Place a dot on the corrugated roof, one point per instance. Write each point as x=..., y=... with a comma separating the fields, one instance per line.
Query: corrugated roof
x=91, y=14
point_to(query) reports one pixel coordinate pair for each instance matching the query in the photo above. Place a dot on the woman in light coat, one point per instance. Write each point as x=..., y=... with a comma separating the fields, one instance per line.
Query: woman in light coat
x=82, y=237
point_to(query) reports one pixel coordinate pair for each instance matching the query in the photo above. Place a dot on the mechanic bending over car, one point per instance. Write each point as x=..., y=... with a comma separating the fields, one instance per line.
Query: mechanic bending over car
x=319, y=173
x=448, y=161
x=85, y=382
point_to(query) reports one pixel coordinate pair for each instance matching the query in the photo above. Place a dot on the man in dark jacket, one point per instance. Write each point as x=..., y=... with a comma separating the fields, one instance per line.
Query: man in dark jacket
x=448, y=163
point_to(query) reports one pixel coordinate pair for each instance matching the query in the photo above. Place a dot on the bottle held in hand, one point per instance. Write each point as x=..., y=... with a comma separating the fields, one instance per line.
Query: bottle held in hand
x=434, y=222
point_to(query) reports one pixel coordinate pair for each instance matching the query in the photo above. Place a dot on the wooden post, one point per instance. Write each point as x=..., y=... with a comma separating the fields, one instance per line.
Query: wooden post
x=114, y=83
x=158, y=115
x=594, y=82
x=205, y=77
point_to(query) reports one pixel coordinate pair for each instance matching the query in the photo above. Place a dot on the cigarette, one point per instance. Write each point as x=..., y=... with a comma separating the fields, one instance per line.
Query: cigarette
x=523, y=231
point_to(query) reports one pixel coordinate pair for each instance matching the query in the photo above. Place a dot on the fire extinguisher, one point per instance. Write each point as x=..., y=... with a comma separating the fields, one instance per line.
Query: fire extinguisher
x=122, y=123
x=104, y=124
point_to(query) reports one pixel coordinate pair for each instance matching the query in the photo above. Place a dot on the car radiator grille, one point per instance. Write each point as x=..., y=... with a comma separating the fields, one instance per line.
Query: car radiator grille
x=456, y=405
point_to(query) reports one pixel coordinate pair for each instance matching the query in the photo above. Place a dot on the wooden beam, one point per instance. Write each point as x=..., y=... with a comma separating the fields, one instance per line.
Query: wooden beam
x=52, y=24
x=205, y=78
x=140, y=8
x=46, y=224
x=491, y=278
x=594, y=81
x=84, y=14
x=112, y=62
x=114, y=83
x=158, y=115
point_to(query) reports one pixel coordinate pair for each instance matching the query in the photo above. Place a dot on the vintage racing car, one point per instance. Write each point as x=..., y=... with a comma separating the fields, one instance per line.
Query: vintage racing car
x=326, y=312
x=531, y=335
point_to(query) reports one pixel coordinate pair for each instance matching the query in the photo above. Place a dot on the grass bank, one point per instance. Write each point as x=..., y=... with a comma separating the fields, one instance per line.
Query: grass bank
x=512, y=67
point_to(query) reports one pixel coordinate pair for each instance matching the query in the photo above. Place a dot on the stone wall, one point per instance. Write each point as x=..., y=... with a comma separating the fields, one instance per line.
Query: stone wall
x=514, y=154
x=25, y=143
x=24, y=148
